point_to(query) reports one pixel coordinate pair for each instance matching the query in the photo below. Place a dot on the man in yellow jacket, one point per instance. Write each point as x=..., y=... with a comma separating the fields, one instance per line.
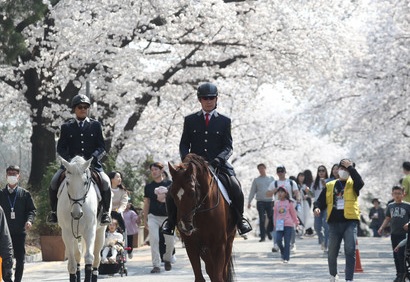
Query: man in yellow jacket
x=340, y=198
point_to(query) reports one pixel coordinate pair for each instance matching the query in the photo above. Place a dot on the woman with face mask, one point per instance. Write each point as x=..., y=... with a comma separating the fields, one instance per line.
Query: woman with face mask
x=340, y=199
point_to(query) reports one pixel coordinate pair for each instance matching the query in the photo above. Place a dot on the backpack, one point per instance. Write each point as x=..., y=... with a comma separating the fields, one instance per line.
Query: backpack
x=291, y=184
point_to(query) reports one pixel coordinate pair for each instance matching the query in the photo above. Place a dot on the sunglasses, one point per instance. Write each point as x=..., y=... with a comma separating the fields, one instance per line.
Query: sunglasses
x=81, y=107
x=280, y=171
x=208, y=98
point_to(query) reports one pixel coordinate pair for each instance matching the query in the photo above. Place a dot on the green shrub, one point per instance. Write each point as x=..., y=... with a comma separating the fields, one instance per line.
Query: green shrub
x=41, y=200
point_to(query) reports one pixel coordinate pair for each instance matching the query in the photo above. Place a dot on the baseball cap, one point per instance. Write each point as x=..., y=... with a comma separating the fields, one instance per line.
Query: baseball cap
x=280, y=168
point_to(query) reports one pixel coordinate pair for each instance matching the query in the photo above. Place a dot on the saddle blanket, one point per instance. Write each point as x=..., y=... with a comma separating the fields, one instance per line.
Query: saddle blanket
x=222, y=189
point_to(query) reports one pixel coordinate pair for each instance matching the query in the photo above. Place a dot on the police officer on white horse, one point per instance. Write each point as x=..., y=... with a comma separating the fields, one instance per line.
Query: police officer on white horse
x=82, y=136
x=207, y=133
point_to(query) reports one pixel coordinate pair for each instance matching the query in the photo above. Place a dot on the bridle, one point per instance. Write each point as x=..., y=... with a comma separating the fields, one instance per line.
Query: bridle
x=199, y=204
x=79, y=201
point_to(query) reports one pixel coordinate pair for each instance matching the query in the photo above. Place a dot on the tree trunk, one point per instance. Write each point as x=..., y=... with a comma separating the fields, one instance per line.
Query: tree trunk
x=43, y=152
x=43, y=149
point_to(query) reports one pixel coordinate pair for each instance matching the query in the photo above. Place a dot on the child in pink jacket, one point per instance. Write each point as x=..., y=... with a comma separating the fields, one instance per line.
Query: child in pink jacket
x=286, y=220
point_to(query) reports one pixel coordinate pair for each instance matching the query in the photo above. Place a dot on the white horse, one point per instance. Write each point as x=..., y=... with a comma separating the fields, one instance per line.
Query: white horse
x=77, y=211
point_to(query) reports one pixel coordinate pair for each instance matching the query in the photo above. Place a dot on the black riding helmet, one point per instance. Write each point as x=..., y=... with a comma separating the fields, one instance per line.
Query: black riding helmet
x=80, y=99
x=207, y=90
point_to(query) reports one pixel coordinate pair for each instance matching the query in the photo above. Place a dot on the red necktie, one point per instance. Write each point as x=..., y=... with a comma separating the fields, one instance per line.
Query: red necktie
x=206, y=119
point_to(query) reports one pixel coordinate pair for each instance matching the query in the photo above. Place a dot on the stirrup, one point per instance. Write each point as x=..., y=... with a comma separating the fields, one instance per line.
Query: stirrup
x=244, y=226
x=105, y=219
x=52, y=218
x=166, y=229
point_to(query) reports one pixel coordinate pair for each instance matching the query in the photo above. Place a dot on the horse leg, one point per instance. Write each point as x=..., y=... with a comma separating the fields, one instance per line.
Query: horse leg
x=89, y=253
x=88, y=270
x=73, y=278
x=77, y=255
x=215, y=263
x=193, y=255
x=78, y=273
x=229, y=269
x=214, y=267
x=70, y=244
x=94, y=276
x=98, y=245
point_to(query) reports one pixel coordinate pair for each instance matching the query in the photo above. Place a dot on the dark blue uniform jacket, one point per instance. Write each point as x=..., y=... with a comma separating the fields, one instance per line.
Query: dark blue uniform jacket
x=209, y=142
x=86, y=142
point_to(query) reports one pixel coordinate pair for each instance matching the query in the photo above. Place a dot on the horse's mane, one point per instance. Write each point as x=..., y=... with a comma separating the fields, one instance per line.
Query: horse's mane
x=198, y=161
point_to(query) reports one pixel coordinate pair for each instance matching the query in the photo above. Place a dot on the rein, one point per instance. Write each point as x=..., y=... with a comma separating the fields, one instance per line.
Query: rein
x=79, y=201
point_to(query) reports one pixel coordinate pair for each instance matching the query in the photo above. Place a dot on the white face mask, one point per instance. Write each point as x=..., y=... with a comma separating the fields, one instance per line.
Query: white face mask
x=343, y=174
x=12, y=179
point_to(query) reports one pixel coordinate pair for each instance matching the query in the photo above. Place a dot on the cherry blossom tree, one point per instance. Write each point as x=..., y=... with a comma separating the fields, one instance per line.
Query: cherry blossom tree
x=305, y=83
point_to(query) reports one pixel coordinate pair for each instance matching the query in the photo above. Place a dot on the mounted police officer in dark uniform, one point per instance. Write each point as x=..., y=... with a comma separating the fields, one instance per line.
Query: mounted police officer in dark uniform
x=82, y=136
x=208, y=133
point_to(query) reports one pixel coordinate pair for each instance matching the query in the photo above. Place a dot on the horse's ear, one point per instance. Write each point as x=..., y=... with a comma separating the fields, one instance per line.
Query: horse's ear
x=64, y=162
x=87, y=164
x=172, y=169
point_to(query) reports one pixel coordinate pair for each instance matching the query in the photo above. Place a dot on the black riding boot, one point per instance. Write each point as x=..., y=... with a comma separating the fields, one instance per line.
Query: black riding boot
x=106, y=202
x=236, y=195
x=52, y=216
x=168, y=226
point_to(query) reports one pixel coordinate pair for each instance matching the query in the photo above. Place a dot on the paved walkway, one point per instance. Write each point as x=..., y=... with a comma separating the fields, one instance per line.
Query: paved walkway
x=254, y=262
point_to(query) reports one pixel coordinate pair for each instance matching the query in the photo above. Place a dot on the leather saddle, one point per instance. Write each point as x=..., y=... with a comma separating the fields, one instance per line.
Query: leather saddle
x=94, y=174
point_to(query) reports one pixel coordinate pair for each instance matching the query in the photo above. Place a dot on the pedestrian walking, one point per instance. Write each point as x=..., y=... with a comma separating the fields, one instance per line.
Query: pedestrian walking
x=264, y=204
x=285, y=222
x=320, y=224
x=398, y=215
x=155, y=213
x=119, y=195
x=6, y=248
x=305, y=214
x=340, y=199
x=20, y=213
x=406, y=181
x=132, y=220
x=376, y=215
x=293, y=191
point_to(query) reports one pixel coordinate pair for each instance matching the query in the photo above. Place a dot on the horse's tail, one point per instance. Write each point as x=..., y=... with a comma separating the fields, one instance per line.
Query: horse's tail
x=231, y=270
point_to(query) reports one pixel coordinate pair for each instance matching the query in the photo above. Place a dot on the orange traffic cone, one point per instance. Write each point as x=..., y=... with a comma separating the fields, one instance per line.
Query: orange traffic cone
x=358, y=266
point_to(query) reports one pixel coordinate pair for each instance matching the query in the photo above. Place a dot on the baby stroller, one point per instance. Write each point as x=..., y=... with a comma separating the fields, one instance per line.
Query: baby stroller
x=118, y=266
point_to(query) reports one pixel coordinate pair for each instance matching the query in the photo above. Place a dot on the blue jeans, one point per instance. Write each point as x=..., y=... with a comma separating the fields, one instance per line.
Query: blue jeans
x=265, y=207
x=375, y=233
x=322, y=228
x=286, y=234
x=348, y=232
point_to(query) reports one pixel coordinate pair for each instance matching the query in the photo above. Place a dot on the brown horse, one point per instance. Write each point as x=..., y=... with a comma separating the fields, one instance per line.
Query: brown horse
x=204, y=218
